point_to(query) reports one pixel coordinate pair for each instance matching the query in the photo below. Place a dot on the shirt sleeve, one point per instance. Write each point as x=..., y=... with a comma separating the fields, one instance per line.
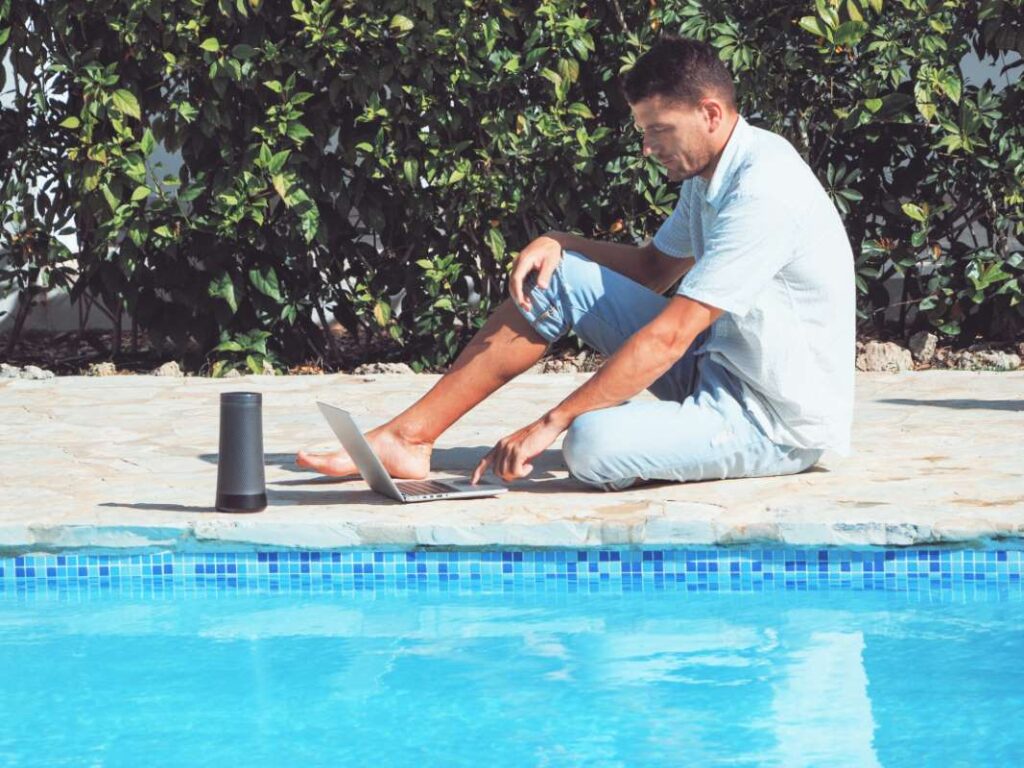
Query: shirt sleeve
x=673, y=236
x=751, y=240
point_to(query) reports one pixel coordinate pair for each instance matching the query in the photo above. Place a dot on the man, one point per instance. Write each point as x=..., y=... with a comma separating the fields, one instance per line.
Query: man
x=751, y=360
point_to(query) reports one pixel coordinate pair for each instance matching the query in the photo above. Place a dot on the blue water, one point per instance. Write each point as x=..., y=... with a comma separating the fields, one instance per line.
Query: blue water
x=425, y=678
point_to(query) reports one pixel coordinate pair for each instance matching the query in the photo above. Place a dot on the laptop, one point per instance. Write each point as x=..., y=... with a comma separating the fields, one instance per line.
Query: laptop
x=373, y=472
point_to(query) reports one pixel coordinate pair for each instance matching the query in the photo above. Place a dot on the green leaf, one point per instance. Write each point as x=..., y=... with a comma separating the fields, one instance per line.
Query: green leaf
x=815, y=26
x=581, y=109
x=222, y=287
x=401, y=24
x=298, y=131
x=876, y=5
x=265, y=281
x=281, y=187
x=163, y=230
x=70, y=122
x=137, y=234
x=951, y=85
x=496, y=242
x=872, y=105
x=243, y=51
x=125, y=101
x=187, y=111
x=914, y=211
x=273, y=85
x=141, y=193
x=4, y=34
x=411, y=170
x=148, y=142
x=112, y=201
x=277, y=160
x=253, y=364
x=850, y=32
x=210, y=44
x=554, y=77
x=228, y=346
x=382, y=313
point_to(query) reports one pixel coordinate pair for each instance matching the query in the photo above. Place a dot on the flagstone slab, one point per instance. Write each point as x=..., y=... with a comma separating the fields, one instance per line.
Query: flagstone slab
x=130, y=462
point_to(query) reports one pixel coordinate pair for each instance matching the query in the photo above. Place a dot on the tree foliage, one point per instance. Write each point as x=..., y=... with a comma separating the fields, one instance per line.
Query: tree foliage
x=382, y=162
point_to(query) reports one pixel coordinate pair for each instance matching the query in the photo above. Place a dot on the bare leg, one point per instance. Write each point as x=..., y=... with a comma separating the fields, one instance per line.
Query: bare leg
x=506, y=346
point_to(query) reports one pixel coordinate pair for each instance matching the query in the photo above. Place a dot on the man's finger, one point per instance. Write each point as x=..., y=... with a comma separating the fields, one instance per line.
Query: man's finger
x=546, y=270
x=519, y=273
x=481, y=468
x=503, y=464
x=520, y=465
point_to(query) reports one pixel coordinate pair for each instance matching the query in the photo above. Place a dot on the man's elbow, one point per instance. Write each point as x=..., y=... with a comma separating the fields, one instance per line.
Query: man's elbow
x=670, y=344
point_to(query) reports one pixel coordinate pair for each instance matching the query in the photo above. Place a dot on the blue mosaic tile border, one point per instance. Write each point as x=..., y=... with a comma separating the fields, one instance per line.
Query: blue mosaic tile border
x=585, y=570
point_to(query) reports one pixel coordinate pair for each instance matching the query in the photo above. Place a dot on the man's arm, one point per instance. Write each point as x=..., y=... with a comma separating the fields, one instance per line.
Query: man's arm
x=642, y=264
x=638, y=363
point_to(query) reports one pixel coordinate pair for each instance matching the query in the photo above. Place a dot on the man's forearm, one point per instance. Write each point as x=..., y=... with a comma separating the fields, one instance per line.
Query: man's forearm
x=635, y=366
x=630, y=260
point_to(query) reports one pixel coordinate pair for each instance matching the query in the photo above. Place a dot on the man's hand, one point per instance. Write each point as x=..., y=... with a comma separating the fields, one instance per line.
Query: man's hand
x=542, y=255
x=510, y=458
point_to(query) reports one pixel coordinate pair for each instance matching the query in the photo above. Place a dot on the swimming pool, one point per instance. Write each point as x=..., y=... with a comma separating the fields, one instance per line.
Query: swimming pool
x=605, y=657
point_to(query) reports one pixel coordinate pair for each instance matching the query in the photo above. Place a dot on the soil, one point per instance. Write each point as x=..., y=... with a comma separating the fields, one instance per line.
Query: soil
x=70, y=353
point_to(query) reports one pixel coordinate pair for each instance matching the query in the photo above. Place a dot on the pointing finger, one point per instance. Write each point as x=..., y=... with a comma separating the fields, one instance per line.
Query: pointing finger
x=481, y=468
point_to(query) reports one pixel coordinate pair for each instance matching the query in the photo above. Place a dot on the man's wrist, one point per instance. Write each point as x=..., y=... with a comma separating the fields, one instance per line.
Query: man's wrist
x=558, y=419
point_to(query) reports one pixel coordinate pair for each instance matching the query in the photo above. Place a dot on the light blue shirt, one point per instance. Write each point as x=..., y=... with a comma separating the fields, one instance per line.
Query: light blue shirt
x=772, y=253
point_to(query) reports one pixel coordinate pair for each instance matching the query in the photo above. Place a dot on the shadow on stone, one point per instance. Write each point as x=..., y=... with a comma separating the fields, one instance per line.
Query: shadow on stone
x=283, y=460
x=326, y=498
x=158, y=507
x=452, y=460
x=991, y=405
x=275, y=498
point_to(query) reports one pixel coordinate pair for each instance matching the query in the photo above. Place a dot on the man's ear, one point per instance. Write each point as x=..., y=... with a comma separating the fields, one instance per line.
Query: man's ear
x=714, y=113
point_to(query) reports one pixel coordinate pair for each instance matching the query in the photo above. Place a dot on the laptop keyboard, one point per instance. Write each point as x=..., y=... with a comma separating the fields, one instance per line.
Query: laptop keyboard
x=423, y=487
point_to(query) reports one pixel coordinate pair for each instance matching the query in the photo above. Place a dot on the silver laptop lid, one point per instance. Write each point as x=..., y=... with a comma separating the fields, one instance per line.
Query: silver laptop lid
x=362, y=454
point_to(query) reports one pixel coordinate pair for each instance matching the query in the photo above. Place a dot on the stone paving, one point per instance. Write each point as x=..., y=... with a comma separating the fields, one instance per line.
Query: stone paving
x=131, y=462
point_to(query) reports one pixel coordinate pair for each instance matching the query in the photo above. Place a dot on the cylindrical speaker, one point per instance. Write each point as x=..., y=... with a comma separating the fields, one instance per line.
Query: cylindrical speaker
x=241, y=486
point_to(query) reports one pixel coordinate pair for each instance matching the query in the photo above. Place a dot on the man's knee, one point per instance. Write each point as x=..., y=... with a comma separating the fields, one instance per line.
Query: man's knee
x=589, y=453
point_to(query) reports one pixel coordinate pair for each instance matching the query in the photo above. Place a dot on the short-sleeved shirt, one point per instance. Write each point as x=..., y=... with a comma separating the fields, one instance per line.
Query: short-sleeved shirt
x=772, y=253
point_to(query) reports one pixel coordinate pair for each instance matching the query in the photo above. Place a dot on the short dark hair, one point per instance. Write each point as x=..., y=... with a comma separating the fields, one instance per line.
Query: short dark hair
x=679, y=69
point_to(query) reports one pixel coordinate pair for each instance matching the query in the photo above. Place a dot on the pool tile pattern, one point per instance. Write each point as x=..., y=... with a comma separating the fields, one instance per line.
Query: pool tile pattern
x=932, y=571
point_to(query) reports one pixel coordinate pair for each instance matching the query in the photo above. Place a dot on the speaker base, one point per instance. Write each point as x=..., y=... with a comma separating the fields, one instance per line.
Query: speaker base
x=238, y=502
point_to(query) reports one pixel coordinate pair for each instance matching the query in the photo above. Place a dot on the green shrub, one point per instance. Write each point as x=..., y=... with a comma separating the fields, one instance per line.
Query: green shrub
x=382, y=162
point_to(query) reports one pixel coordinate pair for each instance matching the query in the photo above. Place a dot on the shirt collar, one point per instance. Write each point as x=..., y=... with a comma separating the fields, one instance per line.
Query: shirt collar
x=728, y=163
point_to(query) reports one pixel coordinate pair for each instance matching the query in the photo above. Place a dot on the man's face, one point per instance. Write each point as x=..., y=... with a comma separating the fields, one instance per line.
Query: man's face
x=679, y=136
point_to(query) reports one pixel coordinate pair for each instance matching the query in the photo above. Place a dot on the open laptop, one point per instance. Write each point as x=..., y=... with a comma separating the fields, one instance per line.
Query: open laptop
x=373, y=472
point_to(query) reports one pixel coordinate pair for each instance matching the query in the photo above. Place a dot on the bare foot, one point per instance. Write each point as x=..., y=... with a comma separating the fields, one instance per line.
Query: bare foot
x=402, y=458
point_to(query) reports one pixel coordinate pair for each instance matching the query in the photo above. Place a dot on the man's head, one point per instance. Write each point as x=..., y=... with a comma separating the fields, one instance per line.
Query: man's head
x=684, y=102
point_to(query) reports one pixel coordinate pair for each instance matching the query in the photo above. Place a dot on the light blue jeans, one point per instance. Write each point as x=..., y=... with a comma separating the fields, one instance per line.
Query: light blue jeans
x=698, y=429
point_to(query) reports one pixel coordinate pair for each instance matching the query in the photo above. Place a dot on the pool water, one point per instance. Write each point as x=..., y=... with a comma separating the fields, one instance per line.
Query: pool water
x=423, y=677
